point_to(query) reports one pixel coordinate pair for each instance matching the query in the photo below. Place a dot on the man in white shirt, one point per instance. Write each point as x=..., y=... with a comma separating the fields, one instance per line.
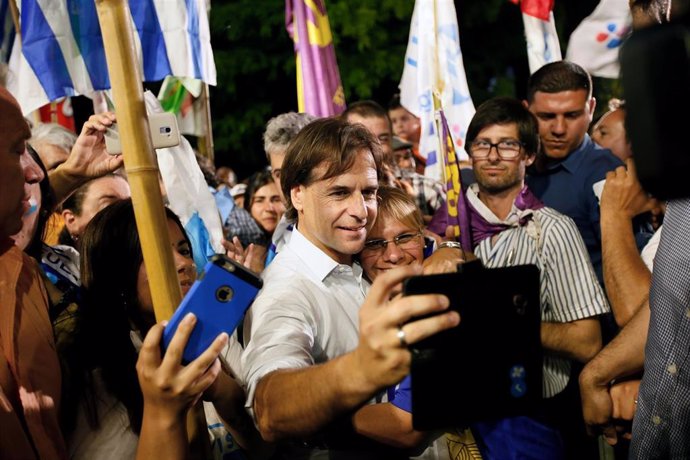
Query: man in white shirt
x=317, y=347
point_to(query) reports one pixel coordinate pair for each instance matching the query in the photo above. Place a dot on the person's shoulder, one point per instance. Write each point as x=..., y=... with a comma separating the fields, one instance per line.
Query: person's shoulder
x=555, y=223
x=601, y=159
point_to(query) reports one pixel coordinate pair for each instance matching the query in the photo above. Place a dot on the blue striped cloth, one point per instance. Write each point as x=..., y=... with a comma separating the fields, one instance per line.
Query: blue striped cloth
x=61, y=52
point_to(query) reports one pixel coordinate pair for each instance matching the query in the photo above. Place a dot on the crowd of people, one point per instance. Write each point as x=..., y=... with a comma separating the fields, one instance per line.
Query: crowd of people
x=320, y=364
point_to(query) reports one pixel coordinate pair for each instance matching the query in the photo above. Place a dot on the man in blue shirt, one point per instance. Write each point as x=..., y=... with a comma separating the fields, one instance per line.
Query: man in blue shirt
x=569, y=172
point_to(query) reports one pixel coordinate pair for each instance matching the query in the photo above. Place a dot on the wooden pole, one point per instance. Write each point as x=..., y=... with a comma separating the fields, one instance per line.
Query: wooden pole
x=142, y=173
x=206, y=141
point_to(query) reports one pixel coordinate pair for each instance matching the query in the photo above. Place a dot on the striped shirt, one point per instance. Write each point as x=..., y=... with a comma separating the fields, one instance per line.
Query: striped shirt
x=569, y=290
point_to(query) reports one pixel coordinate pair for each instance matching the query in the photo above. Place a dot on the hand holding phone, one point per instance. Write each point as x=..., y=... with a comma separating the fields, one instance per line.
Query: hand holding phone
x=219, y=300
x=163, y=129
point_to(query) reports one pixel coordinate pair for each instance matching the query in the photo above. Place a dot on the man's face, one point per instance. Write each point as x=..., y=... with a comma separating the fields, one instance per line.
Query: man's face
x=405, y=159
x=17, y=169
x=405, y=124
x=494, y=175
x=609, y=132
x=381, y=130
x=277, y=157
x=563, y=120
x=335, y=214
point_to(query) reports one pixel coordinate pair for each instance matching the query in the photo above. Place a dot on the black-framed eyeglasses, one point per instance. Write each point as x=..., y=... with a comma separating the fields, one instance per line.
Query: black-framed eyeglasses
x=404, y=241
x=508, y=149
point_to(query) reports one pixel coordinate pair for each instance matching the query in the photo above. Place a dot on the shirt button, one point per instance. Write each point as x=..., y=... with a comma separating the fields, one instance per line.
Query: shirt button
x=656, y=420
x=672, y=369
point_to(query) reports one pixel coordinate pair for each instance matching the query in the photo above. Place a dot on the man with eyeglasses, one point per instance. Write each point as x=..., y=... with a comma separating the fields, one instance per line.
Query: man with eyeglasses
x=511, y=226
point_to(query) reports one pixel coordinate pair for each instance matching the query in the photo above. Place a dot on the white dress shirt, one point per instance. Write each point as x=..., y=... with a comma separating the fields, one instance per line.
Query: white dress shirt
x=306, y=313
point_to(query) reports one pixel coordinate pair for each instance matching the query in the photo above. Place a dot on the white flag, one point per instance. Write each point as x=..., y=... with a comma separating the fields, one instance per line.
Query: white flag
x=434, y=62
x=595, y=43
x=542, y=41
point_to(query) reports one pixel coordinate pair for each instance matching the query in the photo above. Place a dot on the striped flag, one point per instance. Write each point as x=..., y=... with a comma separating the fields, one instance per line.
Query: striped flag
x=61, y=48
x=540, y=32
x=319, y=91
x=595, y=43
x=188, y=194
x=433, y=62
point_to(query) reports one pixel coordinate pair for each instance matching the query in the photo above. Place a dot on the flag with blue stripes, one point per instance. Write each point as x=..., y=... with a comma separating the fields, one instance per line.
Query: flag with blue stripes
x=61, y=49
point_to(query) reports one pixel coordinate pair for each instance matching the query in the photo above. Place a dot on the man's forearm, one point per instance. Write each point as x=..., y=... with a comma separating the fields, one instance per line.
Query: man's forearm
x=626, y=278
x=63, y=183
x=624, y=355
x=579, y=340
x=300, y=402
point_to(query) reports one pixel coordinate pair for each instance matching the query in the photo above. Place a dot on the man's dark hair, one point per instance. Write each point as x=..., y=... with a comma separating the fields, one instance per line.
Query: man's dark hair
x=559, y=76
x=332, y=141
x=365, y=109
x=503, y=111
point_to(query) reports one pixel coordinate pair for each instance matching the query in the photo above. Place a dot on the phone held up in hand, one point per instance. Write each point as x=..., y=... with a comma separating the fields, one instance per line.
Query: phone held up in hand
x=218, y=299
x=162, y=126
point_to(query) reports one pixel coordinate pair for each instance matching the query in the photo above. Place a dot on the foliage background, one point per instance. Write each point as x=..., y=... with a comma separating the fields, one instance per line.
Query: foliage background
x=256, y=66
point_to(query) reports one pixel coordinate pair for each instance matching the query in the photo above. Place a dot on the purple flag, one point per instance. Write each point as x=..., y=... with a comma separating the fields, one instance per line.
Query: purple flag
x=455, y=198
x=319, y=91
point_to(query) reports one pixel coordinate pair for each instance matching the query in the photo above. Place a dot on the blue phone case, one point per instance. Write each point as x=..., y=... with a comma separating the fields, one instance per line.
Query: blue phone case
x=219, y=300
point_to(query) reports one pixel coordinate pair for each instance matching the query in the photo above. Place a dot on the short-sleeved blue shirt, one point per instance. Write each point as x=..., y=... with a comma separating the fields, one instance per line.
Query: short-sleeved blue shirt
x=567, y=186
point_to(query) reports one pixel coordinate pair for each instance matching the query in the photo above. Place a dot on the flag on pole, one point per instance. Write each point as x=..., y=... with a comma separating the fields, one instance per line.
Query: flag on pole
x=595, y=43
x=456, y=206
x=188, y=194
x=61, y=48
x=540, y=32
x=433, y=62
x=319, y=90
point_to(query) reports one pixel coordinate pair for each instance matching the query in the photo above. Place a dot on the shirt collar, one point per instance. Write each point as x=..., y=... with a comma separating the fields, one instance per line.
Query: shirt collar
x=512, y=220
x=572, y=162
x=320, y=264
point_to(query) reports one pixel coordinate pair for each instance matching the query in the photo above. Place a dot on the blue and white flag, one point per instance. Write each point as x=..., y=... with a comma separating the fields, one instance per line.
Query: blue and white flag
x=434, y=62
x=188, y=194
x=61, y=51
x=595, y=43
x=540, y=33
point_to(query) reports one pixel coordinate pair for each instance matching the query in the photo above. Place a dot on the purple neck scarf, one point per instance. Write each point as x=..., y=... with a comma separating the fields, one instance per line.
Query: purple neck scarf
x=482, y=229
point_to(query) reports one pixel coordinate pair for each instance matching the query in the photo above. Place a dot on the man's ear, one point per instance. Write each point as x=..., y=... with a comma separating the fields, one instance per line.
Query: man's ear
x=530, y=159
x=297, y=197
x=592, y=107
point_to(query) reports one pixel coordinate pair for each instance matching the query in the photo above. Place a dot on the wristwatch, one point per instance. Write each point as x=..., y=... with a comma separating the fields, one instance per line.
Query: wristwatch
x=450, y=244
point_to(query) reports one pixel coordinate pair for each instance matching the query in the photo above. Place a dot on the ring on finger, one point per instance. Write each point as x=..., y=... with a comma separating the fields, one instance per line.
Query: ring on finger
x=402, y=337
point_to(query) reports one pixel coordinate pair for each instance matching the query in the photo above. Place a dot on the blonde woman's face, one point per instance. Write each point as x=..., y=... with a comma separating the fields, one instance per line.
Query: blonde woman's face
x=378, y=260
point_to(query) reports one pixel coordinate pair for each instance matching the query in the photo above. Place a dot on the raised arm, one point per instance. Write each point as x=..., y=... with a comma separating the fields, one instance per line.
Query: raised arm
x=88, y=158
x=626, y=277
x=170, y=389
x=298, y=403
